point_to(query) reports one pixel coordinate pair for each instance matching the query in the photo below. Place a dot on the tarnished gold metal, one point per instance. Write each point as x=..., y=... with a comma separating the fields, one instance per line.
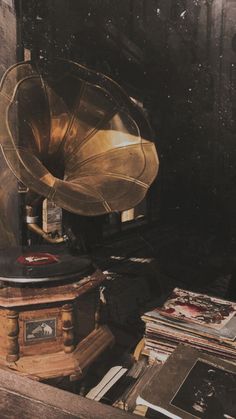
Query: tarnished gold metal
x=73, y=136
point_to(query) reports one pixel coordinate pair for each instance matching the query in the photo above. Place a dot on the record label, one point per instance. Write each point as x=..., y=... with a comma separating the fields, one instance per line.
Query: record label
x=33, y=259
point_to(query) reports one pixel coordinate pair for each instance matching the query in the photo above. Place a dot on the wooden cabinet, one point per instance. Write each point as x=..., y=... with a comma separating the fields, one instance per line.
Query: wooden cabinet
x=53, y=330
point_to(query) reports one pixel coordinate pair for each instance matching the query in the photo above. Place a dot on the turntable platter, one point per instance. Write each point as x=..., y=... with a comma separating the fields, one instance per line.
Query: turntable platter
x=39, y=264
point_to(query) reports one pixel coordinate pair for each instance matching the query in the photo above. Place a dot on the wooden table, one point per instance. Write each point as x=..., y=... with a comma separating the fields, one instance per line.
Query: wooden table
x=23, y=398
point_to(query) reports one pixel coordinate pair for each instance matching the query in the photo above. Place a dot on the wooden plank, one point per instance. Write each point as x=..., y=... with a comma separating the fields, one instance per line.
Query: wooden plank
x=23, y=398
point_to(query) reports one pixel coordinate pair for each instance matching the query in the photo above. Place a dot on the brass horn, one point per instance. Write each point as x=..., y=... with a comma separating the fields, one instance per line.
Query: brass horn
x=73, y=136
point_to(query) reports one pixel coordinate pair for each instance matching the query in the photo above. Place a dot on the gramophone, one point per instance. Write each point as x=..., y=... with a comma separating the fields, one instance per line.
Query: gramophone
x=71, y=140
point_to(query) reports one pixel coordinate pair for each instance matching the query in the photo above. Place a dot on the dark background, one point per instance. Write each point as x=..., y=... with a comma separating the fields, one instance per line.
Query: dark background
x=178, y=58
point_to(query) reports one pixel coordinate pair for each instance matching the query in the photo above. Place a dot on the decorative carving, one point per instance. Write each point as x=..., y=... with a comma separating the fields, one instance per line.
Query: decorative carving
x=12, y=336
x=68, y=328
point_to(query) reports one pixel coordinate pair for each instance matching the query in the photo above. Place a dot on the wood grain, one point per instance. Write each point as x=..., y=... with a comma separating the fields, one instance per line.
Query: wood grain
x=25, y=296
x=26, y=399
x=65, y=364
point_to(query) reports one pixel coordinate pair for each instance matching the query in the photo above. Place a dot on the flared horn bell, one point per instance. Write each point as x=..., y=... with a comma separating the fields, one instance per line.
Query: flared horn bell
x=73, y=136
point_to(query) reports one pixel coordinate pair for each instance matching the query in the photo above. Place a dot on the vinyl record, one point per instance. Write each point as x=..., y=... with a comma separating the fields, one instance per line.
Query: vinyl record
x=38, y=264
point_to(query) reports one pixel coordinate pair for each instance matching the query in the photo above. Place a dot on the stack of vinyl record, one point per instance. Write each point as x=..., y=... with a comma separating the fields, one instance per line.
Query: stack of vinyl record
x=202, y=321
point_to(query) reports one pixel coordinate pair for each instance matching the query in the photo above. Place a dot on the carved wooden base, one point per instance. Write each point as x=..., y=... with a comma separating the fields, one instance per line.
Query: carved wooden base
x=59, y=364
x=52, y=332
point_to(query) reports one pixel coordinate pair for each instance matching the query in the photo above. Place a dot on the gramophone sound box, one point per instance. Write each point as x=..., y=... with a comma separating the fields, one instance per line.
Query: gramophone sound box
x=71, y=142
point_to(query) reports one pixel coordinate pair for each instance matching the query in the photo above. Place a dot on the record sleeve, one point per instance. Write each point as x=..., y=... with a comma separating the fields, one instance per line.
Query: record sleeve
x=191, y=385
x=198, y=308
